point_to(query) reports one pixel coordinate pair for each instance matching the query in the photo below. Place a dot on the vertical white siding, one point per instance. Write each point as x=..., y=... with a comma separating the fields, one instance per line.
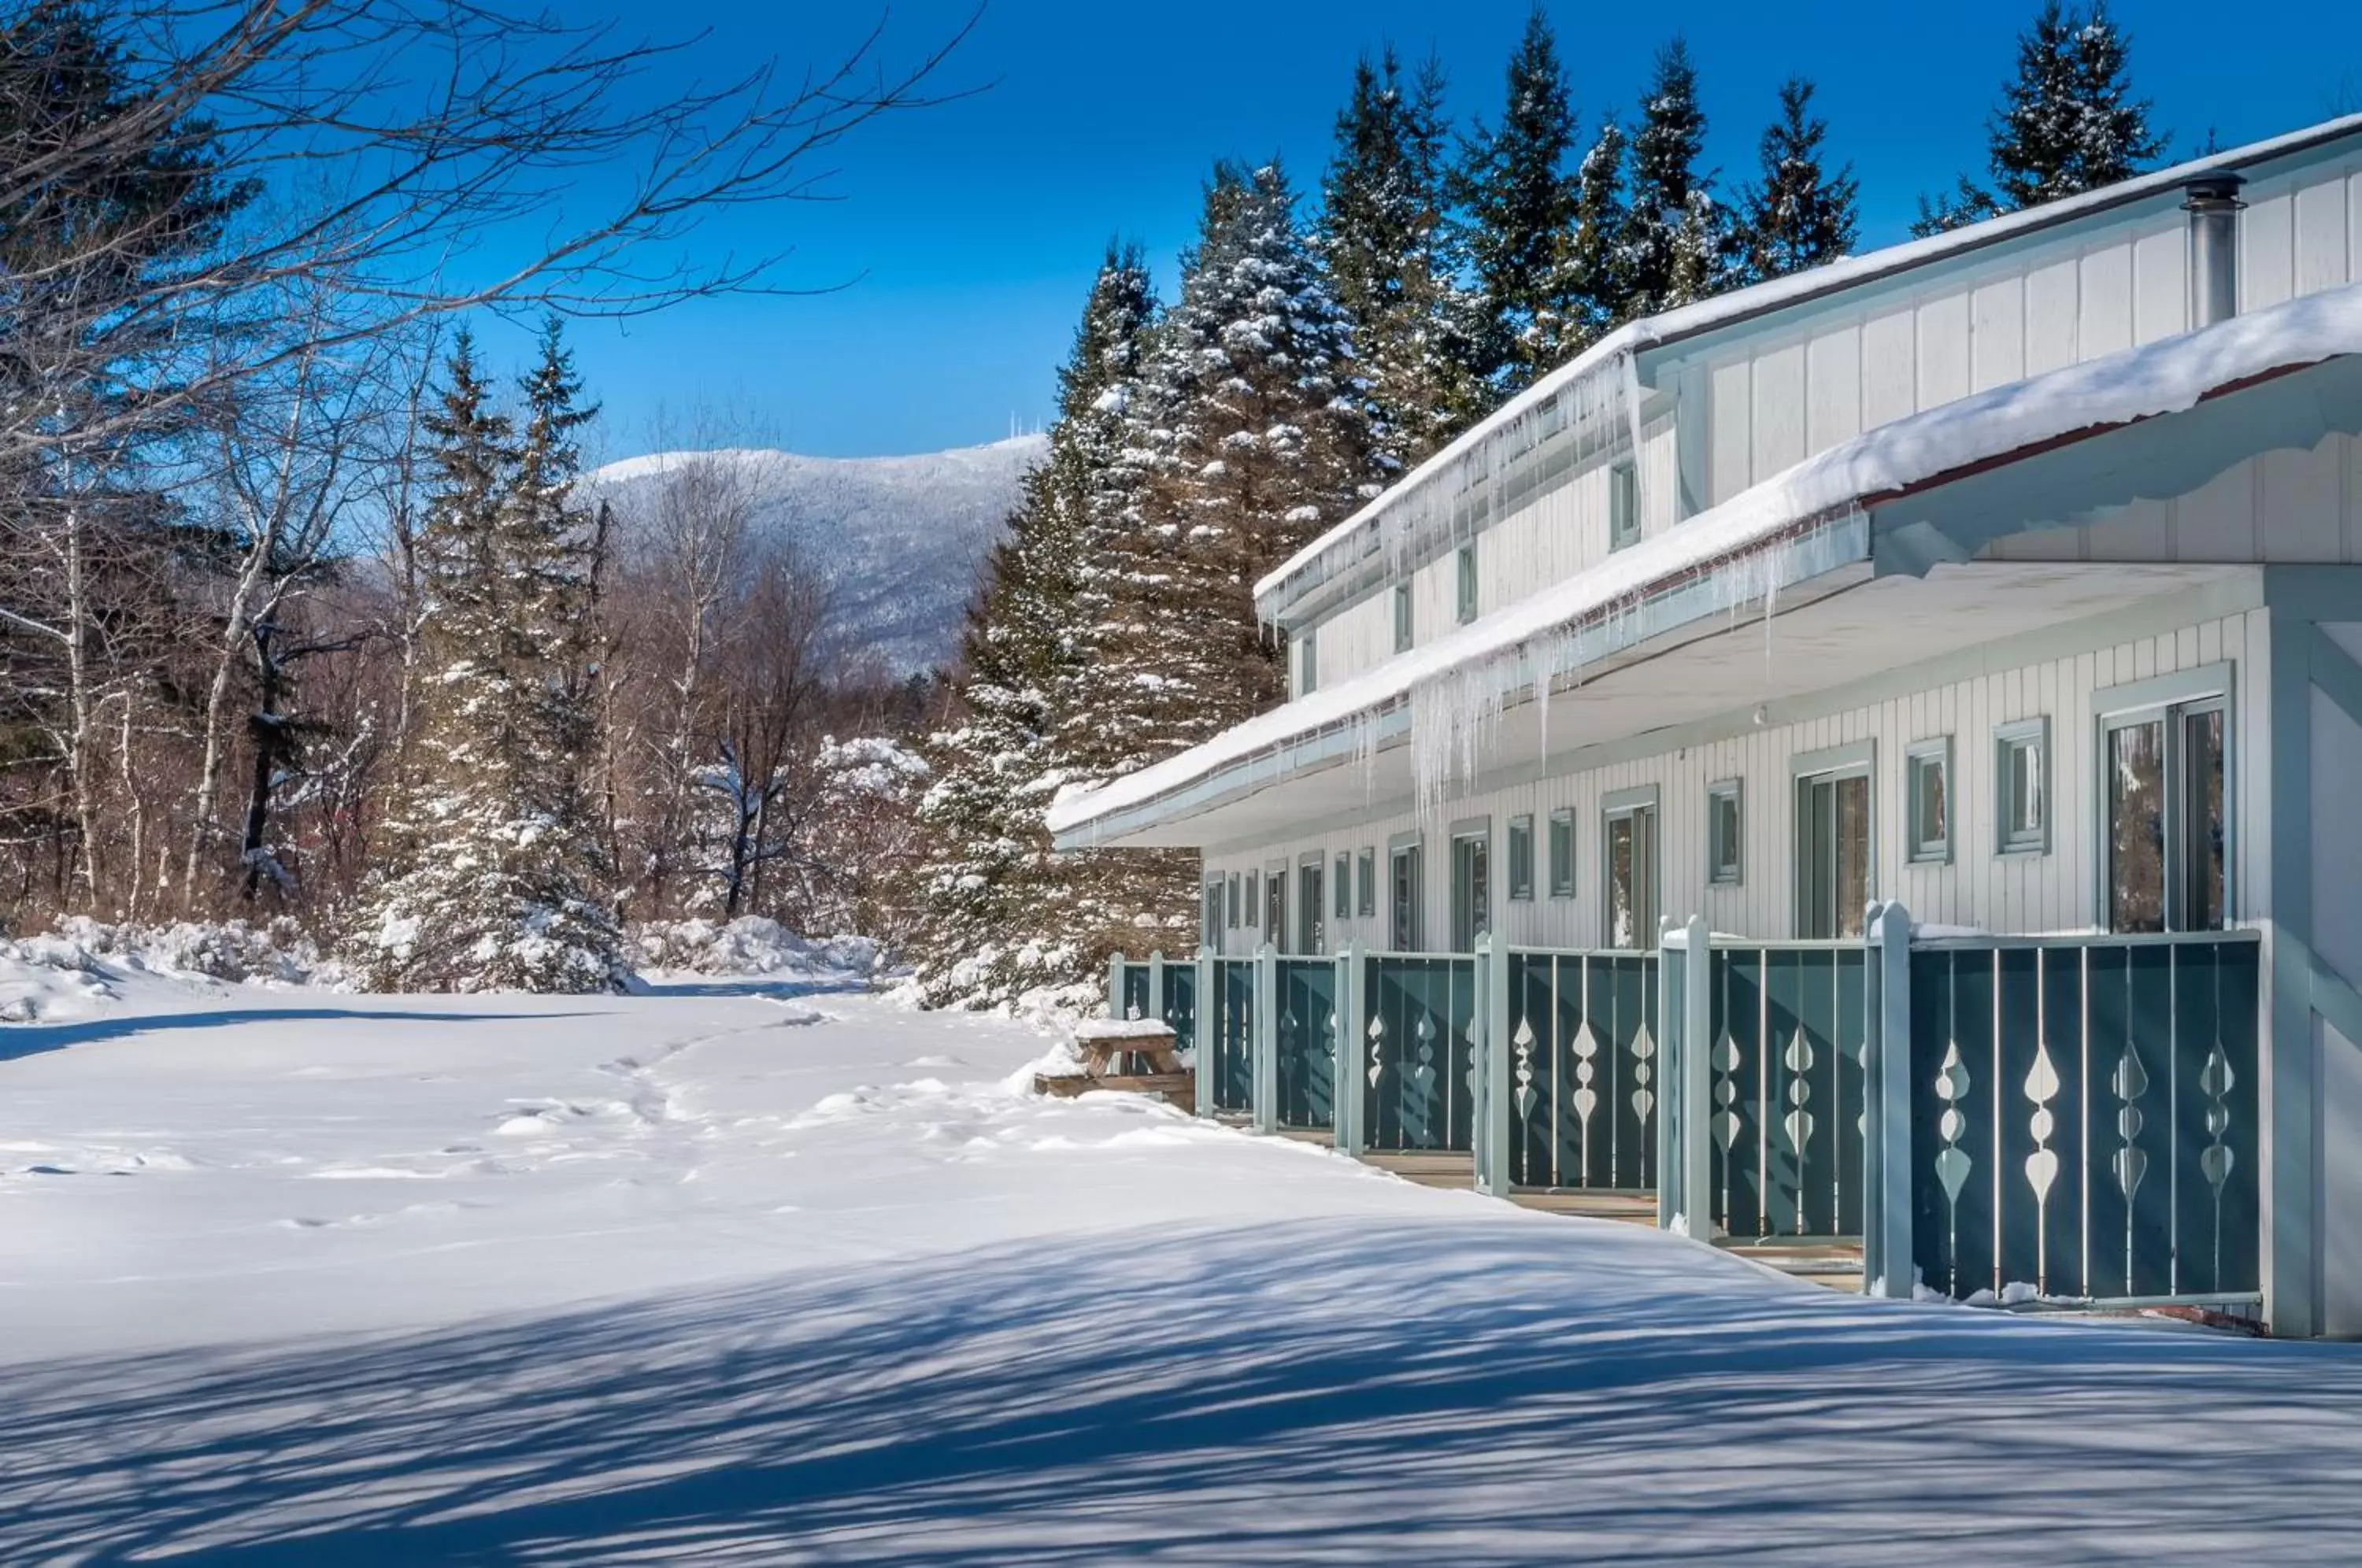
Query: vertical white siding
x=2057, y=890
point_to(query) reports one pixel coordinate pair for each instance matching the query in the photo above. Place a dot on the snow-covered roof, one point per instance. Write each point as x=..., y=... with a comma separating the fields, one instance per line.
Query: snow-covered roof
x=1797, y=288
x=1915, y=452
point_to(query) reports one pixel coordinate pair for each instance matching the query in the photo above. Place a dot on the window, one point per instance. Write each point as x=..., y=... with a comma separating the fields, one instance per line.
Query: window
x=1471, y=883
x=1835, y=875
x=1366, y=903
x=1623, y=506
x=1521, y=857
x=2166, y=835
x=1562, y=854
x=1254, y=898
x=1928, y=792
x=1630, y=869
x=1311, y=904
x=1723, y=829
x=1209, y=925
x=1307, y=663
x=1233, y=920
x=1467, y=593
x=1274, y=906
x=1402, y=617
x=1403, y=894
x=1341, y=905
x=2022, y=784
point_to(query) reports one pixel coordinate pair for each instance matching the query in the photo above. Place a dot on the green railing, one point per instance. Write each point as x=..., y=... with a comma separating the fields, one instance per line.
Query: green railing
x=1305, y=1041
x=2084, y=1116
x=1784, y=1087
x=1226, y=1069
x=1584, y=1076
x=1413, y=1051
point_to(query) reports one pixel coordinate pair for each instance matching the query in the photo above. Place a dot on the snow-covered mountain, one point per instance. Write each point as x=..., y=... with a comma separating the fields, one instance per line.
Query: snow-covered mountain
x=901, y=540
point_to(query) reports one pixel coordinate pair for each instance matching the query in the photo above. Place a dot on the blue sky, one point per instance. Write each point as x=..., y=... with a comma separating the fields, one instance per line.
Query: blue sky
x=965, y=234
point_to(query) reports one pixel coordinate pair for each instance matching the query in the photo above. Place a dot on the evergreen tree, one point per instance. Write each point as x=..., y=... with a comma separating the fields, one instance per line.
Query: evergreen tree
x=1799, y=215
x=1001, y=915
x=1517, y=201
x=1676, y=239
x=2067, y=123
x=1384, y=238
x=490, y=878
x=1596, y=279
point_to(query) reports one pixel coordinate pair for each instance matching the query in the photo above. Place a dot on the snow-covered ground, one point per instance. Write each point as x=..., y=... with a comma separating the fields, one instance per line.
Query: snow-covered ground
x=730, y=1274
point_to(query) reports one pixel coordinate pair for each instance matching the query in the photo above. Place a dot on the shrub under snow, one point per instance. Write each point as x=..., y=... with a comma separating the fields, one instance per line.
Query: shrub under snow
x=751, y=945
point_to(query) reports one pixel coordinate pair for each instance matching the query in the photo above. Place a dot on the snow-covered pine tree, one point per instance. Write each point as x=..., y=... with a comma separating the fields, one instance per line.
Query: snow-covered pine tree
x=1517, y=200
x=490, y=877
x=2067, y=123
x=1383, y=235
x=997, y=912
x=1676, y=239
x=1799, y=215
x=1594, y=278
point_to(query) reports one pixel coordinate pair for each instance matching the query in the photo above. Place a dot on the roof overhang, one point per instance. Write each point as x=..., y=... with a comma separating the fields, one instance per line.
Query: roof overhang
x=1915, y=500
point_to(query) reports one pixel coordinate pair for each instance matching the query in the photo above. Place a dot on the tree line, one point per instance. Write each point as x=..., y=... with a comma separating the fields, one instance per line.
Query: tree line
x=306, y=614
x=1309, y=359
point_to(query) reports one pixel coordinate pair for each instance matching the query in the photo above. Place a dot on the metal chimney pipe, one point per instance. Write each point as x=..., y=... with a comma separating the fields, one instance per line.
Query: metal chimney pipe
x=2213, y=203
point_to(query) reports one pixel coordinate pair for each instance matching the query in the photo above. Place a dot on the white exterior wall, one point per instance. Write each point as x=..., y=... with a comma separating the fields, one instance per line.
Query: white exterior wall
x=1777, y=400
x=2283, y=506
x=2057, y=890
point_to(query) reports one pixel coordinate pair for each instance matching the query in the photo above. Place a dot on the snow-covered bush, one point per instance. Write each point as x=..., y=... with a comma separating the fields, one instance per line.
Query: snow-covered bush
x=278, y=951
x=751, y=945
x=44, y=978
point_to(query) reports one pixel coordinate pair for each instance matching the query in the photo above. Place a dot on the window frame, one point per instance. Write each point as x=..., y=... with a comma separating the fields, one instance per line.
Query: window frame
x=1623, y=503
x=1564, y=877
x=2171, y=700
x=1365, y=879
x=2016, y=735
x=1406, y=622
x=1209, y=915
x=1341, y=897
x=1307, y=661
x=1517, y=886
x=1254, y=901
x=1732, y=873
x=1413, y=937
x=1918, y=848
x=1236, y=901
x=1467, y=595
x=1641, y=801
x=1829, y=764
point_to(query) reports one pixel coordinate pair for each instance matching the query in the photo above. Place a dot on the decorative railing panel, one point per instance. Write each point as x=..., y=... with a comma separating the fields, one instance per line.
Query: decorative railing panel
x=1306, y=1040
x=1133, y=981
x=1414, y=1051
x=1230, y=1035
x=1586, y=1078
x=2084, y=1116
x=1180, y=1002
x=1785, y=1077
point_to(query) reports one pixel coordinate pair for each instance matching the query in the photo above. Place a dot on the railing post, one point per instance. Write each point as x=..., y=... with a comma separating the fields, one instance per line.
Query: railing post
x=1886, y=1244
x=1266, y=1039
x=1203, y=1051
x=1353, y=1018
x=1492, y=1103
x=1156, y=983
x=1684, y=1177
x=1115, y=984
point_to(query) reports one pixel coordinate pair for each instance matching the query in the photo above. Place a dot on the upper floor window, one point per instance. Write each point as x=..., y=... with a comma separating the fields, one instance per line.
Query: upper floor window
x=1623, y=506
x=1467, y=597
x=1402, y=617
x=1307, y=663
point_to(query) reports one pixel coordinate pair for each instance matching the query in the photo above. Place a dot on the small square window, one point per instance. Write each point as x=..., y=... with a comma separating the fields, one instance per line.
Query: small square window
x=1365, y=902
x=1341, y=898
x=1623, y=506
x=1928, y=782
x=1521, y=857
x=1467, y=599
x=1562, y=854
x=2022, y=781
x=1724, y=834
x=1307, y=663
x=1402, y=617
